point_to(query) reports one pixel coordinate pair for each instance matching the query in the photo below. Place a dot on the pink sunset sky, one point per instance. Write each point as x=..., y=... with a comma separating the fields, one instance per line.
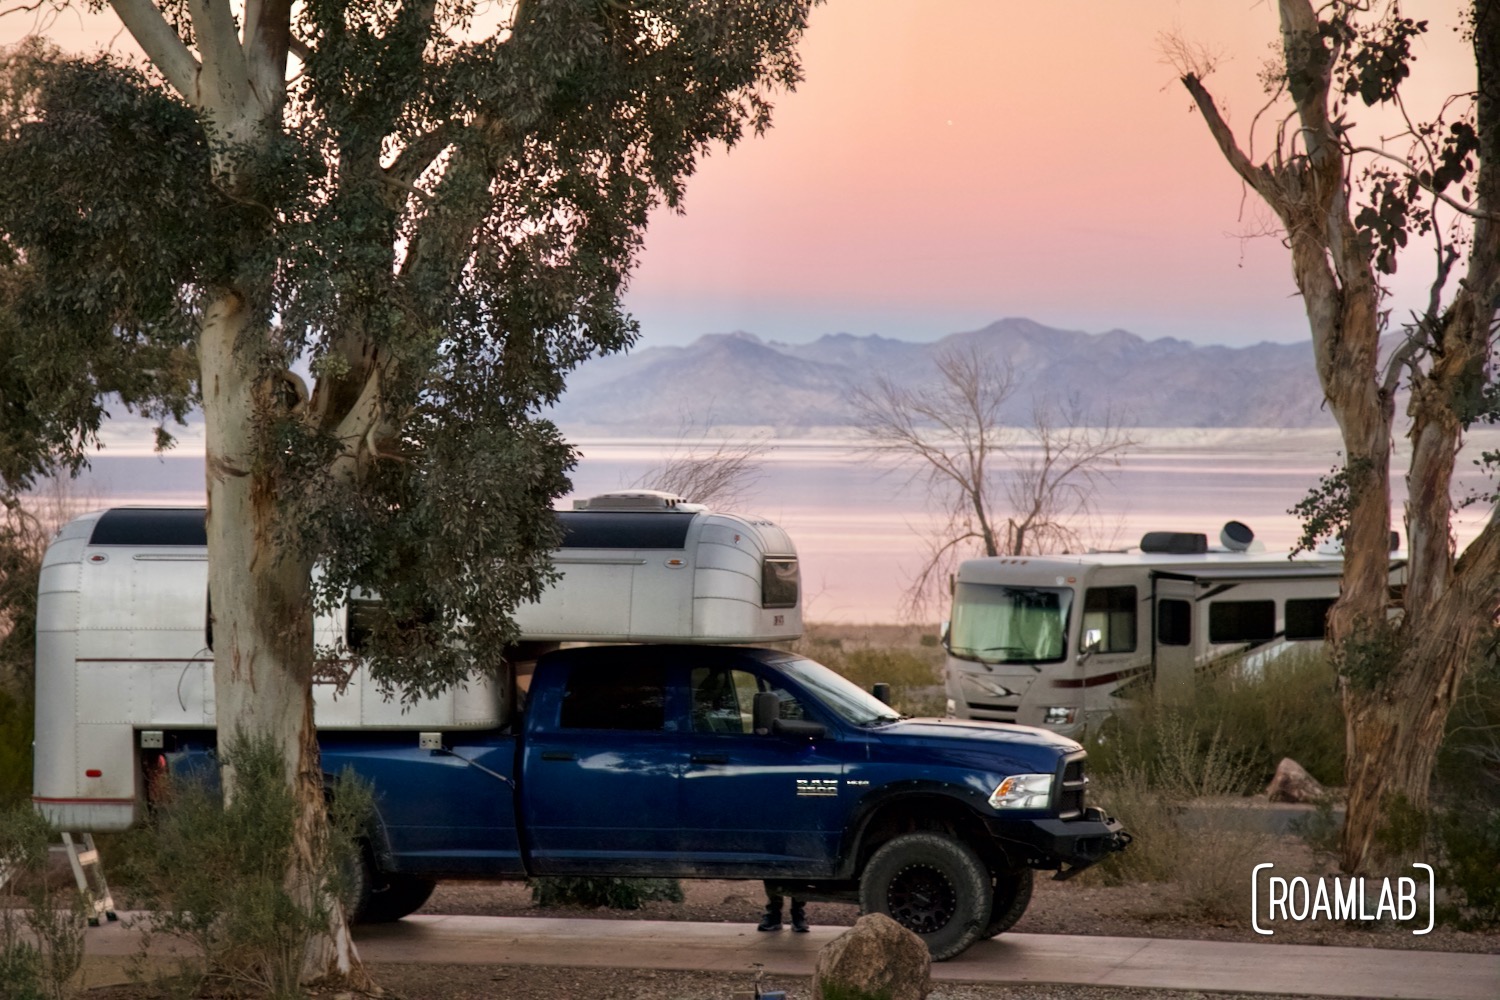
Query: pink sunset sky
x=947, y=163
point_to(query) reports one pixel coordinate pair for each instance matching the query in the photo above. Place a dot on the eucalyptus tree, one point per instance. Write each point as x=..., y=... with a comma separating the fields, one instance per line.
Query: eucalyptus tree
x=1348, y=204
x=369, y=239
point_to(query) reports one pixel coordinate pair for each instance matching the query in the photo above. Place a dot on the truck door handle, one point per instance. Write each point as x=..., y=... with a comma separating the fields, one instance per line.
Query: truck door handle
x=710, y=758
x=558, y=755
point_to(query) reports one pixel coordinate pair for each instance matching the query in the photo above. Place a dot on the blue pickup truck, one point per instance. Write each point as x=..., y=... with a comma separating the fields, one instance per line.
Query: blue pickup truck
x=728, y=762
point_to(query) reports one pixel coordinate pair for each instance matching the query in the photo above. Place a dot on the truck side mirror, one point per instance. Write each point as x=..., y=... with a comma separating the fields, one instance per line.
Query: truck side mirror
x=764, y=710
x=882, y=691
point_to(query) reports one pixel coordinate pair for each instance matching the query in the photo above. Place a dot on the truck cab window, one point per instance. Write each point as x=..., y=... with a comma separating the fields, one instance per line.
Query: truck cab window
x=724, y=699
x=628, y=696
x=1110, y=611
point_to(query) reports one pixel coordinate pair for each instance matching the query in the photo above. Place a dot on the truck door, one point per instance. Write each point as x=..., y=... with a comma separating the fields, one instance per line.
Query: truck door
x=755, y=804
x=1173, y=639
x=600, y=775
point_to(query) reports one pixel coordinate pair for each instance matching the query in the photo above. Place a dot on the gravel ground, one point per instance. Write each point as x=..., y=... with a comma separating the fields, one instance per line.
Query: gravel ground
x=446, y=982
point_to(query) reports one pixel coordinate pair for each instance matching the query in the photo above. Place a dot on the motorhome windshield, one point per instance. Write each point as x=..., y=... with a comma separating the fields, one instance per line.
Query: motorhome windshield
x=1001, y=624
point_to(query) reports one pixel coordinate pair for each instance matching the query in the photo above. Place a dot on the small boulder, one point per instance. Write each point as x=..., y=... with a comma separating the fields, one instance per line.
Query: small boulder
x=877, y=957
x=1292, y=783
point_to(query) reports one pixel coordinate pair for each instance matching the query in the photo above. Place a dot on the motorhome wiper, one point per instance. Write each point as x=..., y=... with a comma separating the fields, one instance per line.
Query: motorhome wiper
x=979, y=654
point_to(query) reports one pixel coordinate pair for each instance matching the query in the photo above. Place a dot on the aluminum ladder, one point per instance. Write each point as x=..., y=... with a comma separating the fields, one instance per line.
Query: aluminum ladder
x=85, y=861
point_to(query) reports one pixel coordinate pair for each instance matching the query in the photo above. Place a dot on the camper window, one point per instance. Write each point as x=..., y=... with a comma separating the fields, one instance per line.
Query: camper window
x=1241, y=621
x=1110, y=611
x=1307, y=618
x=998, y=624
x=778, y=583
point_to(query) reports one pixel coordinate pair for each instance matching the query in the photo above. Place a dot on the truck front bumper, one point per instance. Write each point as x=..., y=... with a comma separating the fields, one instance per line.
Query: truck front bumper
x=1066, y=846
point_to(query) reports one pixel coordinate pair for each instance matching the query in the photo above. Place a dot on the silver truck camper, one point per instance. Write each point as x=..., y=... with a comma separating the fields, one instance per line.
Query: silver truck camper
x=1061, y=641
x=123, y=632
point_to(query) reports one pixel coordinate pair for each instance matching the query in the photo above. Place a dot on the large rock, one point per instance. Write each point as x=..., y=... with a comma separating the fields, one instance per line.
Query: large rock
x=877, y=957
x=1292, y=783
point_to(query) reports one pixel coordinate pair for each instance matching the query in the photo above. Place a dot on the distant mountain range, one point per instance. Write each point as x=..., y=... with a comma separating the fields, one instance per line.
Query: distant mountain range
x=737, y=379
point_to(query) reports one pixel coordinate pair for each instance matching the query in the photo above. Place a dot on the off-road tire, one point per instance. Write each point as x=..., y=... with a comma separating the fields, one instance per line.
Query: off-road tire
x=934, y=886
x=1008, y=901
x=379, y=897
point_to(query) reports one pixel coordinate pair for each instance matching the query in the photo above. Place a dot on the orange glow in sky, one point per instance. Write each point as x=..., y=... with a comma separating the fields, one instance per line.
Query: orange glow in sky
x=947, y=163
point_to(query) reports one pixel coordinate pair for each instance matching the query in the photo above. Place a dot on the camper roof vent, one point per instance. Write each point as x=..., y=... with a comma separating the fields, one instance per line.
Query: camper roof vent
x=1174, y=543
x=637, y=500
x=1236, y=536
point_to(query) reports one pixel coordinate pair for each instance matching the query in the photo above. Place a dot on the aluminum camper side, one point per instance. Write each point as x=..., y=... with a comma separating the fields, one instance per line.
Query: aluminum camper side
x=646, y=567
x=1061, y=641
x=123, y=634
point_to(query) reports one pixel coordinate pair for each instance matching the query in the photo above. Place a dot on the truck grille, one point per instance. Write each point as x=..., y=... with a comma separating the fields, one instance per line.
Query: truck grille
x=1074, y=782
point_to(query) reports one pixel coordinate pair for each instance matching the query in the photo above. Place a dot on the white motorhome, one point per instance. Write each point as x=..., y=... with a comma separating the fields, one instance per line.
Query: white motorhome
x=123, y=639
x=1060, y=641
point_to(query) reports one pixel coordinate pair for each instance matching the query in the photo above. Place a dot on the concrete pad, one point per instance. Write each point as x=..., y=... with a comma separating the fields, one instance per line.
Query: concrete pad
x=1010, y=958
x=1229, y=967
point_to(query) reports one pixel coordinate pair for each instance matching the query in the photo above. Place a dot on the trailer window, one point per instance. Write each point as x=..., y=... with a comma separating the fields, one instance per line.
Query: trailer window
x=778, y=583
x=632, y=696
x=998, y=624
x=1241, y=621
x=1307, y=618
x=1110, y=611
x=1174, y=623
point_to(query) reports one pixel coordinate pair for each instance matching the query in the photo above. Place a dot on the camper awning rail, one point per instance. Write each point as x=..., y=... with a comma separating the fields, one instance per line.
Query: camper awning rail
x=1289, y=571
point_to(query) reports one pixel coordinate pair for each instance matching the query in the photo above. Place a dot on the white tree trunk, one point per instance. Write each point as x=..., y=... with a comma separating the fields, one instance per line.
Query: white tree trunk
x=259, y=587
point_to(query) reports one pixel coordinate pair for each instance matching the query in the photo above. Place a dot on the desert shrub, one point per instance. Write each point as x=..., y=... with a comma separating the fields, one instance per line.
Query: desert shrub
x=1467, y=821
x=1248, y=721
x=1204, y=849
x=16, y=728
x=215, y=873
x=1469, y=865
x=608, y=892
x=1288, y=708
x=41, y=943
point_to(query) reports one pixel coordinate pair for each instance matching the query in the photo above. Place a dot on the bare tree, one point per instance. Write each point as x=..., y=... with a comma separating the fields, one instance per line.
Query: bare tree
x=1004, y=490
x=719, y=473
x=1346, y=209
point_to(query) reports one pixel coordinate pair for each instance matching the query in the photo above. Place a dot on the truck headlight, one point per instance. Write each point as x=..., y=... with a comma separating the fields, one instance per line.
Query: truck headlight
x=1023, y=791
x=1059, y=715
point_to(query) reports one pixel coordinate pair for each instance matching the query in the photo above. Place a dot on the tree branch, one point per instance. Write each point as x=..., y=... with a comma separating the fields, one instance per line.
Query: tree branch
x=1257, y=177
x=162, y=45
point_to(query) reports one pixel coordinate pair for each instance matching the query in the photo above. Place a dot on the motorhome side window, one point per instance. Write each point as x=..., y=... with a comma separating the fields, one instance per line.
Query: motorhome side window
x=630, y=696
x=1241, y=621
x=1307, y=618
x=1174, y=623
x=1109, y=619
x=778, y=583
x=993, y=623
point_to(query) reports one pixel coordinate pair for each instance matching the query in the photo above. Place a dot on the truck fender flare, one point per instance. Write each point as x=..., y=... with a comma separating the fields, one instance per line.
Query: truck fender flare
x=878, y=801
x=373, y=829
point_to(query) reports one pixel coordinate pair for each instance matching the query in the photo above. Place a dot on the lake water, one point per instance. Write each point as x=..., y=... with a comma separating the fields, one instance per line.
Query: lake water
x=861, y=533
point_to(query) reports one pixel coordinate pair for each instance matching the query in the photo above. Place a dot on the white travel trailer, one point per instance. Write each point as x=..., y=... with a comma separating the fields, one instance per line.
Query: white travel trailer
x=1060, y=641
x=123, y=638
